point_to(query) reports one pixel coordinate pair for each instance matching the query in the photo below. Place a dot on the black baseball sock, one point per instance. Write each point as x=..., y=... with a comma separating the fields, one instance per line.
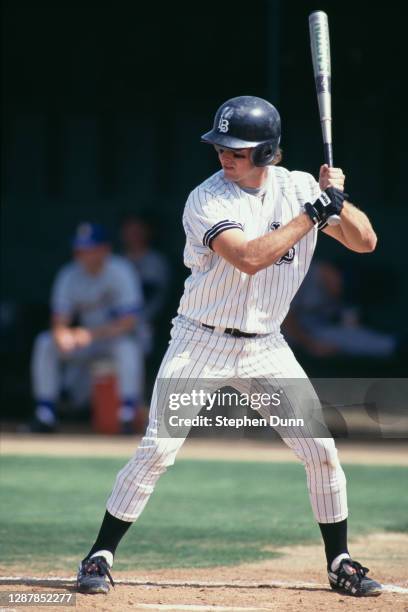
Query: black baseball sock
x=110, y=534
x=335, y=539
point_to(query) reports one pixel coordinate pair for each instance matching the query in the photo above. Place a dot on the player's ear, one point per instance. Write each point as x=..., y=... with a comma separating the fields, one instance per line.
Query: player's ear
x=278, y=157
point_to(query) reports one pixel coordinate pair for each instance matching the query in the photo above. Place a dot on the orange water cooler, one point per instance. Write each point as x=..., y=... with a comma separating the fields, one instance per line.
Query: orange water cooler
x=105, y=401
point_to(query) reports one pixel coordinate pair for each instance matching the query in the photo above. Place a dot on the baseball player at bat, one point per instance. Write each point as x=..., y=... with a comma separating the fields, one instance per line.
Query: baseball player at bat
x=251, y=230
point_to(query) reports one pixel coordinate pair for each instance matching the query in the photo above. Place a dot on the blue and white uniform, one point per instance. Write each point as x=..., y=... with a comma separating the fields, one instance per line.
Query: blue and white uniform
x=91, y=300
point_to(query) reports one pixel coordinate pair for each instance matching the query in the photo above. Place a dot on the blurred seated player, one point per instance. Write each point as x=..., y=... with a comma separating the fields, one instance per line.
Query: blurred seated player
x=96, y=301
x=151, y=267
x=322, y=323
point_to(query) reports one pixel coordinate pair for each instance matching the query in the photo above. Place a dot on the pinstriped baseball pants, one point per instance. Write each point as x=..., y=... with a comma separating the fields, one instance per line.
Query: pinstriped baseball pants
x=198, y=353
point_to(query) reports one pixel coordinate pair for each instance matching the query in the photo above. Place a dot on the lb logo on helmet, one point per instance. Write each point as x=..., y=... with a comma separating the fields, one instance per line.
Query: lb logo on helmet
x=223, y=124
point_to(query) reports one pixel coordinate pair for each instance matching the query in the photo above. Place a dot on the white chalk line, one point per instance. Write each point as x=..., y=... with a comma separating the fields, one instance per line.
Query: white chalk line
x=198, y=608
x=274, y=584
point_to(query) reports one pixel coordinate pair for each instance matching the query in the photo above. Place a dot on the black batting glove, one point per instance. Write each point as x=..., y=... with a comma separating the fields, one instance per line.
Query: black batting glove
x=330, y=202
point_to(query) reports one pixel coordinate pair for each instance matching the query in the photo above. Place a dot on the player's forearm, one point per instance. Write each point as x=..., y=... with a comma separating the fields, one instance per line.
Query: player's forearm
x=267, y=250
x=60, y=323
x=357, y=230
x=115, y=328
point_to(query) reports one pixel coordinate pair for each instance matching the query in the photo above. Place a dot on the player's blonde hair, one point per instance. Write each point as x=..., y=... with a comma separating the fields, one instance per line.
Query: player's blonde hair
x=278, y=157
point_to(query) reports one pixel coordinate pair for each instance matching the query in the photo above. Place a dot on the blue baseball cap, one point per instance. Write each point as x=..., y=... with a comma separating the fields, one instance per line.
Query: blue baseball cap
x=88, y=235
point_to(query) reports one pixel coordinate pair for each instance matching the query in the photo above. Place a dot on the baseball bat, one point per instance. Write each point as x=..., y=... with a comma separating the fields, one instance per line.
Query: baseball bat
x=320, y=47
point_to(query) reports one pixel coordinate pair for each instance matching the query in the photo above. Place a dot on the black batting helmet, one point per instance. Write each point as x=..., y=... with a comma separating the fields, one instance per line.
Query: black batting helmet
x=247, y=122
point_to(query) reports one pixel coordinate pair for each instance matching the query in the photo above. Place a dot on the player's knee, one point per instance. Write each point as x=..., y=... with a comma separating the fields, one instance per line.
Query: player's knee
x=125, y=350
x=329, y=461
x=125, y=343
x=321, y=453
x=143, y=470
x=155, y=454
x=44, y=342
x=331, y=464
x=162, y=458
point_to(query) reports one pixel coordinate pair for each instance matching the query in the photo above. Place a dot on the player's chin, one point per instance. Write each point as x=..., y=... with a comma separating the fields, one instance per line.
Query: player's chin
x=229, y=173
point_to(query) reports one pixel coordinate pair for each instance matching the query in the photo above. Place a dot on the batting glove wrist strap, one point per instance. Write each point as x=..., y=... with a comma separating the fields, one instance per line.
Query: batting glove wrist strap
x=330, y=202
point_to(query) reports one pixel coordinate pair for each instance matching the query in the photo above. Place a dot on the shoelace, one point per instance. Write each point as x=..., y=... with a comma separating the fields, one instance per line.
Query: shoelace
x=98, y=565
x=360, y=571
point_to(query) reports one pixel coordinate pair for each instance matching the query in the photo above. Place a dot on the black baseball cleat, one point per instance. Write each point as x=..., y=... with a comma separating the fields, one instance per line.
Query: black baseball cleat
x=351, y=578
x=92, y=575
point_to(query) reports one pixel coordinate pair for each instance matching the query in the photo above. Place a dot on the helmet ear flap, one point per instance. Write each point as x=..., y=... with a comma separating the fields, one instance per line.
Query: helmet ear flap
x=264, y=153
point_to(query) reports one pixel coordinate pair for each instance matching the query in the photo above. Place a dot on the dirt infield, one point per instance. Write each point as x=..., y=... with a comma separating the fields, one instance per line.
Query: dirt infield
x=301, y=568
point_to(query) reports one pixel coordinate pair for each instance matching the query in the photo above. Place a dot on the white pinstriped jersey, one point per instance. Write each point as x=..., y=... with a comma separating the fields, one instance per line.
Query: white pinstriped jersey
x=217, y=293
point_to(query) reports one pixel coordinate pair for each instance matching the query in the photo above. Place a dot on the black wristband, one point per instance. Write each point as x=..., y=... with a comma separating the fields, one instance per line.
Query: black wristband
x=329, y=203
x=312, y=213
